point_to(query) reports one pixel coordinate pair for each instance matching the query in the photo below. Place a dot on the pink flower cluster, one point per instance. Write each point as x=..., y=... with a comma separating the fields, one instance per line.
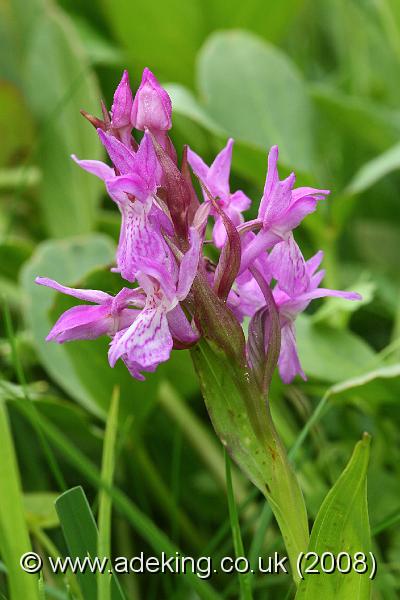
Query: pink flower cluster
x=163, y=230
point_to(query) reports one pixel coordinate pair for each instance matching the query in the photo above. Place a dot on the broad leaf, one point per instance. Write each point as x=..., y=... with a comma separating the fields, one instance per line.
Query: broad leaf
x=177, y=29
x=342, y=525
x=331, y=354
x=39, y=510
x=269, y=106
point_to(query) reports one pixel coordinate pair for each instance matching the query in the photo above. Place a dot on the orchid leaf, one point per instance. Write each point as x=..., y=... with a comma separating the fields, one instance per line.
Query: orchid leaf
x=318, y=353
x=342, y=526
x=374, y=170
x=242, y=421
x=80, y=533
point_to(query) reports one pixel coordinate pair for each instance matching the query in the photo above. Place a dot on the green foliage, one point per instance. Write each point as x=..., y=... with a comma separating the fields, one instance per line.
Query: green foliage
x=321, y=79
x=264, y=72
x=14, y=539
x=80, y=533
x=342, y=526
x=56, y=80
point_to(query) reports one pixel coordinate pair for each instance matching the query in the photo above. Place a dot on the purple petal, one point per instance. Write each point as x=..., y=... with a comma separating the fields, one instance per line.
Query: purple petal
x=88, y=295
x=271, y=180
x=189, y=265
x=251, y=297
x=122, y=105
x=219, y=230
x=316, y=279
x=289, y=363
x=151, y=268
x=314, y=262
x=288, y=267
x=122, y=158
x=264, y=240
x=95, y=167
x=139, y=240
x=82, y=323
x=218, y=175
x=219, y=233
x=134, y=368
x=303, y=192
x=147, y=163
x=199, y=167
x=128, y=297
x=129, y=184
x=180, y=327
x=147, y=342
x=279, y=201
x=152, y=107
x=239, y=201
x=295, y=214
x=323, y=292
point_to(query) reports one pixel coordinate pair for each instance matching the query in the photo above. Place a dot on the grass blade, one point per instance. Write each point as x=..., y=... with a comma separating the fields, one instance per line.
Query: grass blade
x=80, y=532
x=105, y=502
x=244, y=579
x=51, y=459
x=258, y=539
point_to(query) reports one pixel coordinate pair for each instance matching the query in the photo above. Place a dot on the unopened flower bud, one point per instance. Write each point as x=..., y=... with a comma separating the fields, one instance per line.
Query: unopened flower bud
x=152, y=107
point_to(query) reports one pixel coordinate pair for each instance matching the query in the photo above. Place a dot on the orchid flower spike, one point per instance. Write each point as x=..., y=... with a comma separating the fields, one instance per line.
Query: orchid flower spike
x=163, y=225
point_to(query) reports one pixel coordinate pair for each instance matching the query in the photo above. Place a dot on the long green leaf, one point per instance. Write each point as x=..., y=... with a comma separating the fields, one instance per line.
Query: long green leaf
x=342, y=525
x=374, y=170
x=66, y=261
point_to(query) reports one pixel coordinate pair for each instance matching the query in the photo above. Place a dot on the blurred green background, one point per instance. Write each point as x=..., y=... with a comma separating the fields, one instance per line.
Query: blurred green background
x=322, y=80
